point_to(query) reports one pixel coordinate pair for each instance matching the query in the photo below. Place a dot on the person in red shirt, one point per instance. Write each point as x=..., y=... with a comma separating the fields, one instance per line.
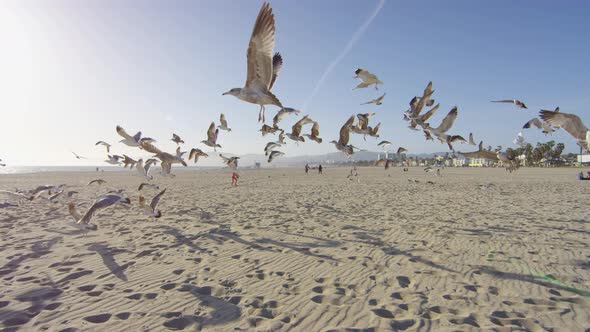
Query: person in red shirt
x=234, y=179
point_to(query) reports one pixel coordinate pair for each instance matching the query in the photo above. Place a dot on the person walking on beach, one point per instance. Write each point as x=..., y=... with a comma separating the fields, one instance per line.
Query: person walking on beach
x=306, y=168
x=320, y=169
x=234, y=179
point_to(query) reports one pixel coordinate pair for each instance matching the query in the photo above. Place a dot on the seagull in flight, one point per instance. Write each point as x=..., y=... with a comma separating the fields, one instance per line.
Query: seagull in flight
x=105, y=144
x=571, y=123
x=77, y=156
x=128, y=139
x=176, y=139
x=101, y=203
x=315, y=133
x=223, y=123
x=367, y=79
x=231, y=162
x=152, y=209
x=144, y=170
x=518, y=103
x=274, y=154
x=295, y=133
x=114, y=159
x=97, y=181
x=212, y=133
x=545, y=128
x=342, y=143
x=196, y=153
x=262, y=67
x=376, y=101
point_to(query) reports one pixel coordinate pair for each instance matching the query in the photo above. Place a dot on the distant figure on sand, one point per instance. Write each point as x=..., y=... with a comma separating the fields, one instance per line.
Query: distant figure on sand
x=234, y=179
x=306, y=168
x=320, y=169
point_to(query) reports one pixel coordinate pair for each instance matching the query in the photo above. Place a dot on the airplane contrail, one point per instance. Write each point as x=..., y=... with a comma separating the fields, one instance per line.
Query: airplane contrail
x=358, y=33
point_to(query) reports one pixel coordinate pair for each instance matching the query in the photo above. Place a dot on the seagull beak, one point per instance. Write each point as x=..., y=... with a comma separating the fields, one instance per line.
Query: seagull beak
x=225, y=93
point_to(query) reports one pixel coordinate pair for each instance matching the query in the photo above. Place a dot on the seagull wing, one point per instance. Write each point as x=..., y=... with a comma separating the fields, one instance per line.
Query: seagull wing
x=401, y=150
x=222, y=120
x=345, y=131
x=211, y=136
x=447, y=122
x=100, y=203
x=123, y=133
x=535, y=122
x=428, y=114
x=569, y=122
x=277, y=64
x=149, y=147
x=315, y=129
x=259, y=54
x=156, y=200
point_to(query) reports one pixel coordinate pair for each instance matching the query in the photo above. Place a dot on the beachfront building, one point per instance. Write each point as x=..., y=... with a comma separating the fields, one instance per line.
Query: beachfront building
x=478, y=162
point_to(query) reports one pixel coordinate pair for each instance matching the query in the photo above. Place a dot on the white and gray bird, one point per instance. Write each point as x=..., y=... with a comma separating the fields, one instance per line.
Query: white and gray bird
x=114, y=159
x=519, y=140
x=78, y=156
x=152, y=209
x=223, y=123
x=105, y=144
x=544, y=126
x=270, y=146
x=315, y=133
x=571, y=123
x=196, y=153
x=128, y=139
x=274, y=154
x=516, y=102
x=101, y=203
x=146, y=184
x=100, y=182
x=128, y=161
x=212, y=133
x=471, y=140
x=367, y=79
x=342, y=143
x=144, y=170
x=176, y=139
x=384, y=144
x=281, y=114
x=445, y=125
x=295, y=133
x=376, y=101
x=262, y=67
x=231, y=162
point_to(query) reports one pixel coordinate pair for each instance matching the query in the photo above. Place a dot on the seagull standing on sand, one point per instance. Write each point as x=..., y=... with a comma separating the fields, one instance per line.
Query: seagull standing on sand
x=152, y=209
x=367, y=79
x=571, y=123
x=107, y=145
x=128, y=139
x=262, y=67
x=176, y=139
x=376, y=101
x=223, y=123
x=196, y=153
x=517, y=103
x=315, y=133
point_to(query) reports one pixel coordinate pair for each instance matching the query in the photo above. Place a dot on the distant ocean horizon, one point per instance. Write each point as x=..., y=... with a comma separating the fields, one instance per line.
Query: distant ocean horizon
x=45, y=169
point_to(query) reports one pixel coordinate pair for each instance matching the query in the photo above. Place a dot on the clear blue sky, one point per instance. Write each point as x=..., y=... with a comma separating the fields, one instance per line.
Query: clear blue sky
x=70, y=71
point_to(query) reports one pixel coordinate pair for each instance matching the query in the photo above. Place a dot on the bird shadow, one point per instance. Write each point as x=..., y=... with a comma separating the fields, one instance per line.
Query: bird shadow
x=413, y=258
x=223, y=311
x=107, y=255
x=542, y=280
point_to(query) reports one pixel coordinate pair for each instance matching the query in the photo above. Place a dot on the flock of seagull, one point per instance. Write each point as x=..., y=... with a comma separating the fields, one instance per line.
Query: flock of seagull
x=263, y=68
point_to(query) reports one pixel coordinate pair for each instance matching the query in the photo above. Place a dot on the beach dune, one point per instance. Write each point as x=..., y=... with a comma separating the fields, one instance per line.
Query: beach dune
x=285, y=251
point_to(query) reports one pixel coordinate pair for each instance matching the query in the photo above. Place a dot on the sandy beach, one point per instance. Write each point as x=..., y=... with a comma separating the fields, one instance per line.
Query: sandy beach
x=286, y=251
